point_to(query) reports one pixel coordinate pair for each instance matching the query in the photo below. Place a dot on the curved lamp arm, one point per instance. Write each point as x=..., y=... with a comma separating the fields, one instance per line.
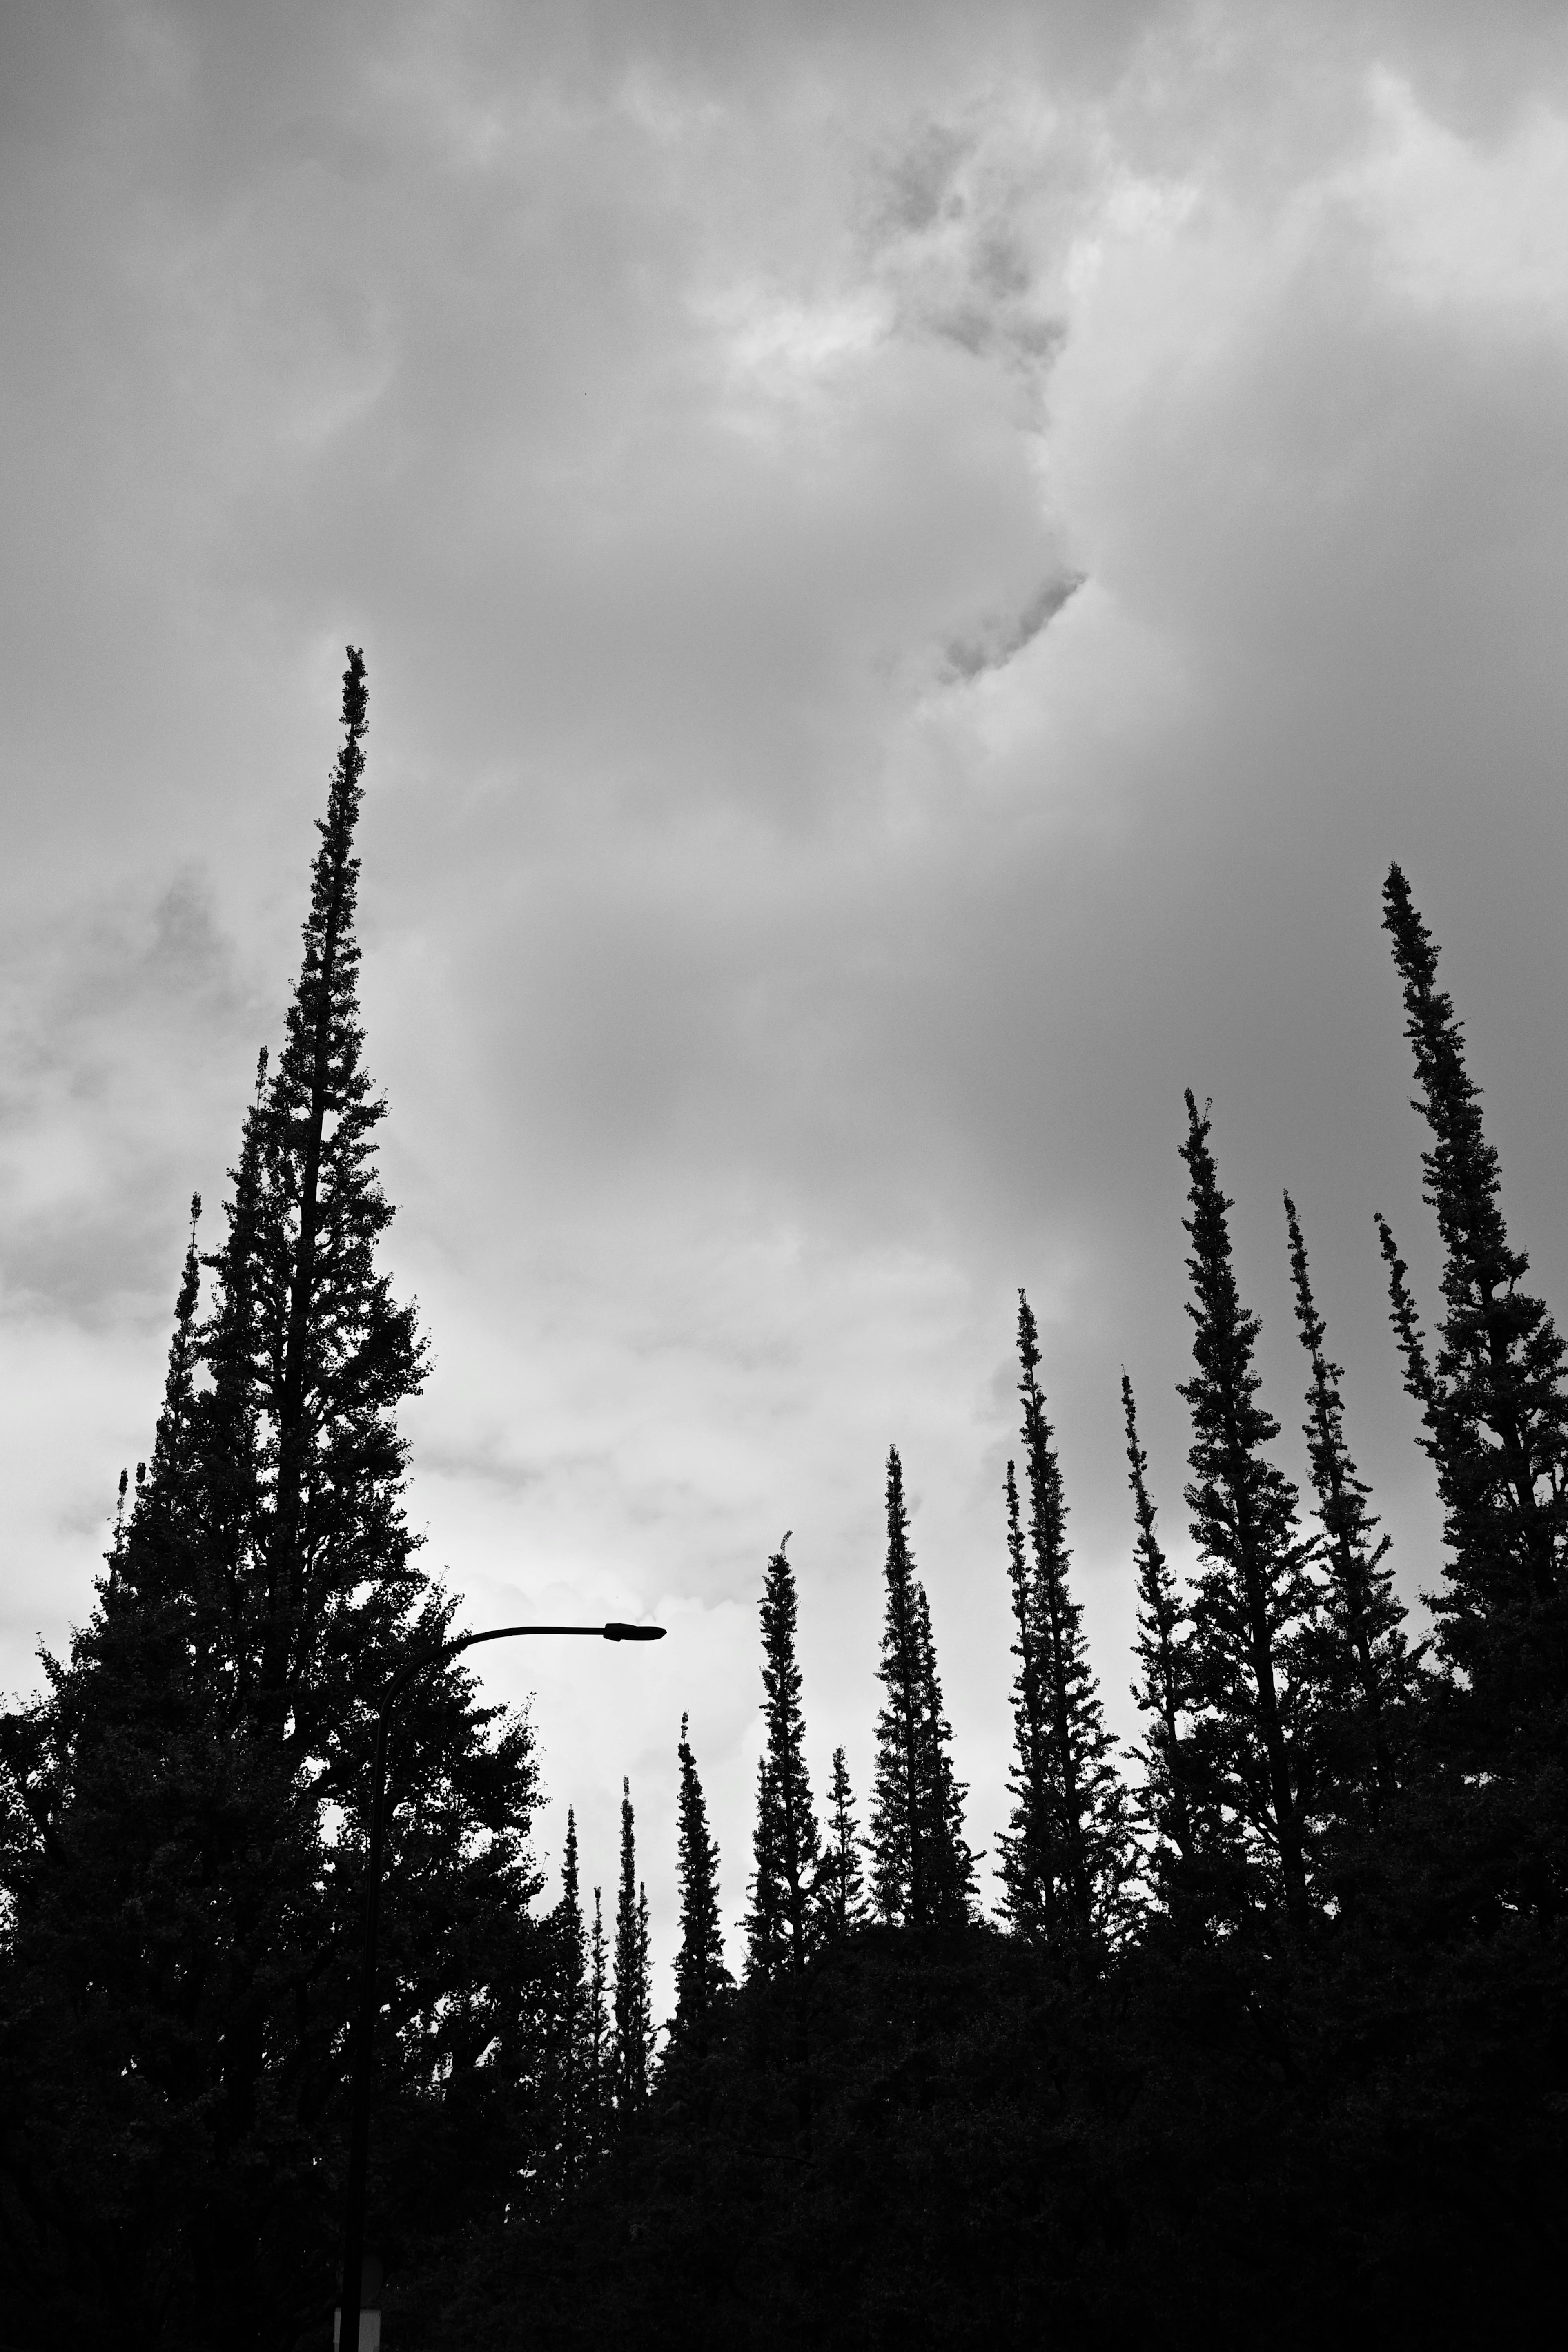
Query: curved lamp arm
x=611, y=1632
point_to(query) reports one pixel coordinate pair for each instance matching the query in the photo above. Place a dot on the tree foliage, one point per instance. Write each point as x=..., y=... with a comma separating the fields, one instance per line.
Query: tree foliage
x=185, y=1820
x=841, y=1898
x=1251, y=1687
x=1362, y=1668
x=1180, y=1835
x=923, y=1872
x=1493, y=1397
x=703, y=1982
x=1066, y=1861
x=787, y=1847
x=633, y=1996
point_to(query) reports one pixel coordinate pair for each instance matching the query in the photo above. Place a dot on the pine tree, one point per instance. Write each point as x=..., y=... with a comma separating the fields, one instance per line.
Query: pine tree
x=109, y=1942
x=787, y=1841
x=321, y=1215
x=1251, y=1694
x=900, y=1864
x=840, y=1891
x=1495, y=1399
x=949, y=1863
x=1028, y=1848
x=197, y=1767
x=703, y=1982
x=567, y=2055
x=600, y=2034
x=1364, y=1668
x=633, y=2012
x=1066, y=1858
x=1163, y=1646
x=165, y=1527
x=922, y=1871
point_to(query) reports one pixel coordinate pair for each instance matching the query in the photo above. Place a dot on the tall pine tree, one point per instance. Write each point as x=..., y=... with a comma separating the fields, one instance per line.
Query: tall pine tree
x=633, y=2000
x=1066, y=1860
x=1494, y=1404
x=566, y=2069
x=923, y=1873
x=195, y=1773
x=841, y=1880
x=703, y=1982
x=788, y=1842
x=949, y=1863
x=601, y=2034
x=1494, y=1399
x=1180, y=1840
x=1251, y=1691
x=1364, y=1668
x=1029, y=1846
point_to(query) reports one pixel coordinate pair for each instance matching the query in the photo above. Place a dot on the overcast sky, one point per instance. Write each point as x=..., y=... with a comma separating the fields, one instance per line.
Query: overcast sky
x=916, y=565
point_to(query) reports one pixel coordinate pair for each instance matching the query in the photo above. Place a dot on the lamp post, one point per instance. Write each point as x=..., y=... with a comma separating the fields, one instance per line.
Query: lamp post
x=365, y=2020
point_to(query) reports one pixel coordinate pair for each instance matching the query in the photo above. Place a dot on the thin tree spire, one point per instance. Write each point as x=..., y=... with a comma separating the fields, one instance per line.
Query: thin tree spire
x=633, y=1995
x=841, y=1880
x=899, y=1861
x=788, y=1842
x=702, y=1979
x=1255, y=1600
x=599, y=2032
x=1368, y=1669
x=318, y=1074
x=1066, y=1860
x=567, y=2034
x=922, y=1871
x=1495, y=1401
x=158, y=1550
x=1162, y=1645
x=950, y=1864
x=1028, y=1876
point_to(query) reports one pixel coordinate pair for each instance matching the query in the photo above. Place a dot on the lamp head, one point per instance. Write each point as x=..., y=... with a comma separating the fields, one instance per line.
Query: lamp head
x=634, y=1632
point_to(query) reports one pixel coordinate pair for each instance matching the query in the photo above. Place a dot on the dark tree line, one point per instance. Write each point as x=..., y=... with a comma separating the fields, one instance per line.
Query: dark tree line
x=181, y=1831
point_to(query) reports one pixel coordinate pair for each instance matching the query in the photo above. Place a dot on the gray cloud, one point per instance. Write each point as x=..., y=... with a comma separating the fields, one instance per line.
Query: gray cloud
x=966, y=657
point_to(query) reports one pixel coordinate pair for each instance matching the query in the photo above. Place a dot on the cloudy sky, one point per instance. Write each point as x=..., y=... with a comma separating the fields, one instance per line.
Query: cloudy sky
x=916, y=563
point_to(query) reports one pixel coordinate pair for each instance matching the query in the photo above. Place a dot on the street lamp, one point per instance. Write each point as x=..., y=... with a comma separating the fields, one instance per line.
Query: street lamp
x=365, y=2022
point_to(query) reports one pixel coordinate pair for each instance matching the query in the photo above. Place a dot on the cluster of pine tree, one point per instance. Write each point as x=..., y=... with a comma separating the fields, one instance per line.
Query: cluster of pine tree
x=182, y=1837
x=1310, y=1943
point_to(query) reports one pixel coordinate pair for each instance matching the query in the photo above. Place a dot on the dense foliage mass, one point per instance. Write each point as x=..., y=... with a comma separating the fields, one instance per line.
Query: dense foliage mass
x=1269, y=2040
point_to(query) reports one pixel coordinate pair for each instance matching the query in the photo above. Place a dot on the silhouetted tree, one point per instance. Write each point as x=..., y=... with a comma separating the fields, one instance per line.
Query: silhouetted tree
x=1362, y=1668
x=841, y=1900
x=1495, y=1399
x=899, y=1864
x=1028, y=1847
x=1251, y=1692
x=1494, y=1404
x=788, y=1842
x=600, y=2038
x=1180, y=1841
x=633, y=2000
x=702, y=1979
x=949, y=1863
x=1066, y=1861
x=922, y=1871
x=567, y=2062
x=184, y=1907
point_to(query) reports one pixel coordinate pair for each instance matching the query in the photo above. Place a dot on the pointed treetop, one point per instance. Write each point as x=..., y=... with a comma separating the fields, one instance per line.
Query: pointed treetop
x=702, y=1979
x=787, y=1839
